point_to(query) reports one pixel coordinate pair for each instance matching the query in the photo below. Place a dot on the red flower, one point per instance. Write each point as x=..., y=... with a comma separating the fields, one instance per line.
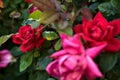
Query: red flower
x=28, y=0
x=28, y=38
x=99, y=30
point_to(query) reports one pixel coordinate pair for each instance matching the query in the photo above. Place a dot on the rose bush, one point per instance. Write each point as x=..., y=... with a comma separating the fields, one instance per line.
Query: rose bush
x=59, y=40
x=99, y=30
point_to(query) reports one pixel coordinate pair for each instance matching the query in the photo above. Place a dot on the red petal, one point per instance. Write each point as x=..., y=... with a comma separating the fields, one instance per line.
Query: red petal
x=78, y=28
x=27, y=45
x=100, y=17
x=113, y=45
x=39, y=42
x=17, y=39
x=116, y=26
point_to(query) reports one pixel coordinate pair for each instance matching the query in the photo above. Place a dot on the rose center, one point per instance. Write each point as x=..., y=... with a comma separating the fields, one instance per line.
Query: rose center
x=96, y=33
x=27, y=35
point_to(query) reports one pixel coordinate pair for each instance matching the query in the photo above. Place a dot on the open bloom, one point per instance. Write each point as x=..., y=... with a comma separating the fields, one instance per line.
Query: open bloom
x=28, y=0
x=5, y=58
x=73, y=62
x=28, y=38
x=99, y=30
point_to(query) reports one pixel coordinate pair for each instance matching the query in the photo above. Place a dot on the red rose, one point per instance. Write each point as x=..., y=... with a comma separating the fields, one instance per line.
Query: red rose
x=28, y=38
x=28, y=0
x=99, y=30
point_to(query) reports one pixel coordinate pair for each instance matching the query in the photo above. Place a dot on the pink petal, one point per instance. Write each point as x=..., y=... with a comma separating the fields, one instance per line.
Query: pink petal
x=52, y=69
x=71, y=62
x=92, y=70
x=62, y=68
x=73, y=75
x=94, y=51
x=5, y=57
x=73, y=45
x=63, y=36
x=58, y=54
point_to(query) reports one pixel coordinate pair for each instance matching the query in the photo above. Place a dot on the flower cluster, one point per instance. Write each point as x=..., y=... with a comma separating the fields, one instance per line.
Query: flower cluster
x=74, y=62
x=28, y=38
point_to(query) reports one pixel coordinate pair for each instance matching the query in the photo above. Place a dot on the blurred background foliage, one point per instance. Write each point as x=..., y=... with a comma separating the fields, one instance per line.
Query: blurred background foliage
x=15, y=12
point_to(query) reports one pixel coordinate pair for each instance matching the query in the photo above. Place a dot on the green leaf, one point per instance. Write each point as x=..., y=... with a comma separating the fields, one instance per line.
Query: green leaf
x=4, y=38
x=50, y=79
x=35, y=24
x=116, y=4
x=36, y=54
x=41, y=75
x=92, y=0
x=107, y=61
x=94, y=6
x=107, y=8
x=26, y=61
x=58, y=45
x=35, y=15
x=68, y=31
x=16, y=51
x=42, y=63
x=50, y=35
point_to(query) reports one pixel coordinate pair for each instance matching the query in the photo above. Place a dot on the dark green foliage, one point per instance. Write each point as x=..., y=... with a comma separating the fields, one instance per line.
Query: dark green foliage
x=107, y=8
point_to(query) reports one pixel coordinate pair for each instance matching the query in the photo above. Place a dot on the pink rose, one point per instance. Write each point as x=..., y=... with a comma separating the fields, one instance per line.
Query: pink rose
x=28, y=38
x=5, y=58
x=34, y=8
x=99, y=30
x=73, y=62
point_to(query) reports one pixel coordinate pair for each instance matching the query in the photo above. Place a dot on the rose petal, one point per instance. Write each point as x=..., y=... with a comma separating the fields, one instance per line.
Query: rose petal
x=5, y=58
x=100, y=17
x=27, y=45
x=58, y=54
x=17, y=39
x=39, y=42
x=92, y=69
x=73, y=45
x=62, y=68
x=52, y=69
x=94, y=51
x=116, y=26
x=113, y=45
x=78, y=28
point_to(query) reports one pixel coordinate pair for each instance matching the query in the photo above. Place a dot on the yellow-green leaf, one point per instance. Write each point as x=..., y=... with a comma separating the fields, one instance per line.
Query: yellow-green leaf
x=4, y=38
x=50, y=35
x=35, y=15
